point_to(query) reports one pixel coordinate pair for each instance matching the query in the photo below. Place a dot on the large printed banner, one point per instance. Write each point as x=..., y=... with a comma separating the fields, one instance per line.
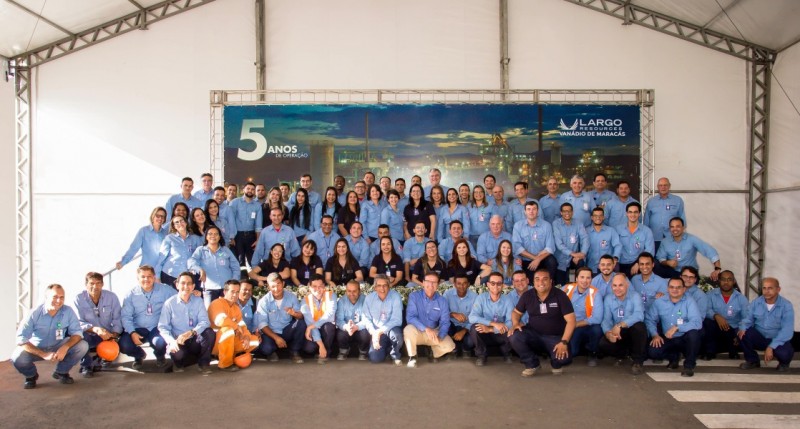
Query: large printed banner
x=529, y=142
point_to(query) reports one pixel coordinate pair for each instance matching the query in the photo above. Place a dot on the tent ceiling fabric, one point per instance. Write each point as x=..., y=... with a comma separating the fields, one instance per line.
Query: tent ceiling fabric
x=771, y=24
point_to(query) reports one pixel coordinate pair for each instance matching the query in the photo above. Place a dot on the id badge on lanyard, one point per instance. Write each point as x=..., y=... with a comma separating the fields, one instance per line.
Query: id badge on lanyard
x=542, y=308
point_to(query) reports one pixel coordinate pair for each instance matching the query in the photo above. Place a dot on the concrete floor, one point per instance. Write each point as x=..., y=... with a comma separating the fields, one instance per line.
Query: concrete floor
x=350, y=394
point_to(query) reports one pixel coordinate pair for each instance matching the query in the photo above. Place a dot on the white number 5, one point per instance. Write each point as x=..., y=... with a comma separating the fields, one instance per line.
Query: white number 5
x=256, y=137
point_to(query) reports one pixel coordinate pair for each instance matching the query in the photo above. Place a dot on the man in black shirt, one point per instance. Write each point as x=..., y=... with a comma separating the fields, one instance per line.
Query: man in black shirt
x=551, y=322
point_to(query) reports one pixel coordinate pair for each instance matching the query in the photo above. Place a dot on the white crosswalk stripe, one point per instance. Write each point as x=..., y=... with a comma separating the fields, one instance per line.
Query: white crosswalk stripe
x=675, y=377
x=750, y=421
x=735, y=396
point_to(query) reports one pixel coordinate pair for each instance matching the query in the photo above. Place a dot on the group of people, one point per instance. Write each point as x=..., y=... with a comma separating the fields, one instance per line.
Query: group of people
x=201, y=307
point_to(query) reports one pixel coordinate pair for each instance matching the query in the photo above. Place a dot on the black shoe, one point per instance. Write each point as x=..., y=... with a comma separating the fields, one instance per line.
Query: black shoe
x=205, y=369
x=30, y=382
x=161, y=362
x=749, y=365
x=87, y=372
x=636, y=369
x=672, y=365
x=481, y=361
x=507, y=359
x=137, y=364
x=687, y=372
x=63, y=378
x=782, y=367
x=232, y=368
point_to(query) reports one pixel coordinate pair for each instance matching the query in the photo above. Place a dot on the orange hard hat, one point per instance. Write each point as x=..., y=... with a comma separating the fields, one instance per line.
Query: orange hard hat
x=243, y=360
x=108, y=350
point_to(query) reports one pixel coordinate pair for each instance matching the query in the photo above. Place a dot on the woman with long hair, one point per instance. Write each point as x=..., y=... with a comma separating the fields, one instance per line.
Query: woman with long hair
x=214, y=264
x=329, y=206
x=198, y=223
x=504, y=262
x=429, y=261
x=306, y=264
x=419, y=210
x=480, y=212
x=276, y=263
x=214, y=219
x=349, y=213
x=392, y=216
x=274, y=199
x=180, y=209
x=343, y=266
x=301, y=215
x=175, y=251
x=464, y=264
x=387, y=262
x=437, y=199
x=148, y=239
x=453, y=210
x=371, y=212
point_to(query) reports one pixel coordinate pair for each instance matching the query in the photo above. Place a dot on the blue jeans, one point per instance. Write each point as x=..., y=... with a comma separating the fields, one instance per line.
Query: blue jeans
x=688, y=343
x=294, y=335
x=589, y=336
x=754, y=340
x=24, y=361
x=327, y=333
x=392, y=339
x=527, y=343
x=153, y=336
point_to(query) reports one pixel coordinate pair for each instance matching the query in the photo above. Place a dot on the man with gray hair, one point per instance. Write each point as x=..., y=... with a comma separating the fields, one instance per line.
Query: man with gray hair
x=582, y=202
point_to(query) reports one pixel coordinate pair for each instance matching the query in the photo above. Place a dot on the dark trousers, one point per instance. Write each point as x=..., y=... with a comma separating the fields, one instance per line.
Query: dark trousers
x=466, y=343
x=360, y=338
x=244, y=247
x=195, y=350
x=293, y=334
x=716, y=339
x=625, y=268
x=754, y=340
x=549, y=263
x=391, y=343
x=327, y=332
x=688, y=344
x=152, y=336
x=562, y=277
x=666, y=272
x=92, y=340
x=481, y=342
x=527, y=343
x=586, y=336
x=633, y=343
x=171, y=281
x=210, y=295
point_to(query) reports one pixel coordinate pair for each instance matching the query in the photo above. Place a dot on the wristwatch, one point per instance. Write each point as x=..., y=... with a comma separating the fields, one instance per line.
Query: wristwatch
x=565, y=342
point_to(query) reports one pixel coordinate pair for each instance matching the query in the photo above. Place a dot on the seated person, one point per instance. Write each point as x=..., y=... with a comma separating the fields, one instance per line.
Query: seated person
x=588, y=305
x=387, y=262
x=382, y=318
x=768, y=325
x=306, y=264
x=280, y=321
x=726, y=308
x=491, y=320
x=460, y=299
x=233, y=336
x=446, y=245
x=349, y=314
x=623, y=325
x=275, y=263
x=319, y=313
x=464, y=264
x=428, y=318
x=99, y=315
x=680, y=323
x=429, y=261
x=343, y=266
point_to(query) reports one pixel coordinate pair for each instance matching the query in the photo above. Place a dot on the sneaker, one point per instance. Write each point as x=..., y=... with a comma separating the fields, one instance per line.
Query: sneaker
x=342, y=356
x=297, y=358
x=481, y=361
x=558, y=371
x=592, y=361
x=87, y=372
x=176, y=368
x=687, y=372
x=412, y=362
x=672, y=365
x=362, y=356
x=398, y=362
x=749, y=365
x=529, y=372
x=507, y=359
x=205, y=369
x=161, y=362
x=636, y=369
x=232, y=368
x=782, y=367
x=137, y=364
x=273, y=357
x=30, y=382
x=63, y=378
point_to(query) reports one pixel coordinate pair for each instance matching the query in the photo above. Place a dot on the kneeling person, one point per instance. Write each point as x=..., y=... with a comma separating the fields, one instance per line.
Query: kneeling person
x=233, y=337
x=623, y=324
x=319, y=314
x=680, y=322
x=428, y=318
x=383, y=318
x=349, y=322
x=588, y=305
x=280, y=321
x=491, y=320
x=185, y=327
x=99, y=315
x=768, y=326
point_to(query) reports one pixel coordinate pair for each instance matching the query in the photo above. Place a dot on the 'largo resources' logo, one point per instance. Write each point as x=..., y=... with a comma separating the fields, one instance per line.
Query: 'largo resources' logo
x=592, y=128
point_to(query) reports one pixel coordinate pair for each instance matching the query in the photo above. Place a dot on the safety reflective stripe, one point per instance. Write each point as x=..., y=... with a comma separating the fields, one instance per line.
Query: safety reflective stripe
x=318, y=312
x=589, y=301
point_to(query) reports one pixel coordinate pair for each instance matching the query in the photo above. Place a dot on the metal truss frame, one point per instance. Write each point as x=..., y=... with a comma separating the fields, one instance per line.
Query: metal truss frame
x=760, y=85
x=23, y=200
x=138, y=20
x=633, y=14
x=645, y=98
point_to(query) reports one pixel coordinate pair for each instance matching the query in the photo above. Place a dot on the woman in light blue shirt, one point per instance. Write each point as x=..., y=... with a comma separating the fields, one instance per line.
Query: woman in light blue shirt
x=453, y=210
x=214, y=219
x=214, y=263
x=371, y=212
x=175, y=251
x=480, y=211
x=392, y=216
x=148, y=239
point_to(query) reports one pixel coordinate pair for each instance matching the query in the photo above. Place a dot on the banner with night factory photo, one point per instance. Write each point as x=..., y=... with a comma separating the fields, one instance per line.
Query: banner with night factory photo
x=277, y=143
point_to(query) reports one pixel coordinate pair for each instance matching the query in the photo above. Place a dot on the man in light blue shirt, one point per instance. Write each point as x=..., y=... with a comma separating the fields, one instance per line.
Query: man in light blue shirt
x=680, y=323
x=314, y=198
x=185, y=327
x=516, y=208
x=588, y=305
x=582, y=203
x=489, y=241
x=277, y=232
x=490, y=320
x=207, y=191
x=501, y=207
x=246, y=214
x=460, y=299
x=600, y=195
x=325, y=238
x=349, y=313
x=634, y=239
x=520, y=284
x=602, y=281
x=359, y=246
x=187, y=184
x=428, y=318
x=50, y=332
x=616, y=207
x=99, y=315
x=649, y=285
x=726, y=308
x=623, y=324
x=680, y=250
x=141, y=310
x=533, y=241
x=549, y=204
x=768, y=325
x=446, y=246
x=280, y=321
x=572, y=244
x=383, y=318
x=435, y=178
x=602, y=240
x=660, y=209
x=248, y=305
x=319, y=314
